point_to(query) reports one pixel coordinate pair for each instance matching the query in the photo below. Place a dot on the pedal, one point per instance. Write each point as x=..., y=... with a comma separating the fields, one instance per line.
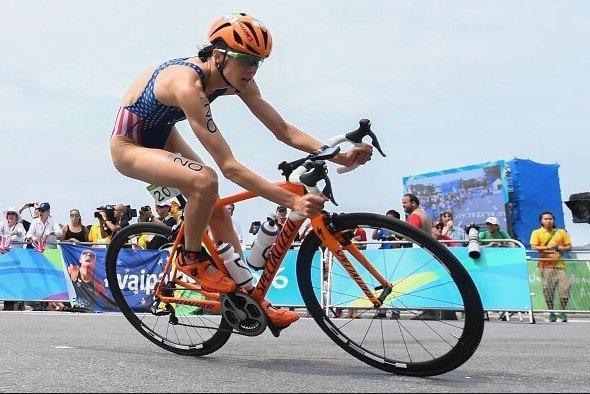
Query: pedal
x=276, y=331
x=243, y=313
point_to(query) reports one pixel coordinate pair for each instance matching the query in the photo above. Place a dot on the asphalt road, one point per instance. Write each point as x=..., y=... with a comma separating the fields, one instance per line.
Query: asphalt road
x=65, y=352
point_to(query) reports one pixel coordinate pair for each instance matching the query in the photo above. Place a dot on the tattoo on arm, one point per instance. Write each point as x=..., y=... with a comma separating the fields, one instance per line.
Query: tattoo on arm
x=211, y=126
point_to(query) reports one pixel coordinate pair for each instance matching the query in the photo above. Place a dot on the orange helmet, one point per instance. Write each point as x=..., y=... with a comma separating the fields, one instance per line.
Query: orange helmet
x=242, y=33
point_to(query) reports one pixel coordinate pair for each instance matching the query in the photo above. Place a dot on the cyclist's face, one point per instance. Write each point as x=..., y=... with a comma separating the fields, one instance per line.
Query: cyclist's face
x=239, y=68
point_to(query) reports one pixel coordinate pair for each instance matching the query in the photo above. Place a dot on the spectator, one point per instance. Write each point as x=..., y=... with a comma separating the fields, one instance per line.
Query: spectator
x=12, y=227
x=164, y=215
x=74, y=231
x=494, y=232
x=360, y=236
x=437, y=233
x=176, y=210
x=34, y=214
x=281, y=212
x=99, y=233
x=145, y=214
x=551, y=243
x=44, y=229
x=415, y=215
x=449, y=229
x=382, y=234
x=13, y=230
x=117, y=220
x=43, y=233
x=237, y=228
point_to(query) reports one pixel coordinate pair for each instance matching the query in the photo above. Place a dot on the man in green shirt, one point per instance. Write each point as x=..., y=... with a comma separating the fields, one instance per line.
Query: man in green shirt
x=494, y=232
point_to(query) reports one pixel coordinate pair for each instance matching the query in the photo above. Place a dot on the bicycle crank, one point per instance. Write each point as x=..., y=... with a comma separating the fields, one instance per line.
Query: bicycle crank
x=243, y=314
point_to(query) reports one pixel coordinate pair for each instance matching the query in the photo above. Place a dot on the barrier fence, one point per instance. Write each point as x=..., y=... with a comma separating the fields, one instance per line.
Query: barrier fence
x=508, y=279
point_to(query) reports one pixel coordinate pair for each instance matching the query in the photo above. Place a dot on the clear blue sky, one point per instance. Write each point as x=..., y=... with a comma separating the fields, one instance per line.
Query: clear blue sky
x=446, y=84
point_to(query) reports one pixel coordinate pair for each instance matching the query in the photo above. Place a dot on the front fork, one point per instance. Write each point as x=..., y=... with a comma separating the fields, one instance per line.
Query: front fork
x=337, y=243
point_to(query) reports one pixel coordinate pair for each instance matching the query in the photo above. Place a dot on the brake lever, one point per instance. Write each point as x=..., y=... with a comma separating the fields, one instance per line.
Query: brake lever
x=316, y=172
x=356, y=136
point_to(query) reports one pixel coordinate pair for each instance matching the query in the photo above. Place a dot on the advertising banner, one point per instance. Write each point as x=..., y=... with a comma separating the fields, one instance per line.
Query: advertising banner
x=579, y=273
x=500, y=275
x=29, y=275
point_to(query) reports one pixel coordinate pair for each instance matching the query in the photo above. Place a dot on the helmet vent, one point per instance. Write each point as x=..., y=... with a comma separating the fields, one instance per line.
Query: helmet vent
x=238, y=38
x=249, y=26
x=219, y=28
x=252, y=50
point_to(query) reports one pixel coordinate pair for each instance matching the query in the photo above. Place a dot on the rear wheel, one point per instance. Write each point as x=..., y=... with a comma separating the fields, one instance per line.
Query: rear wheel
x=431, y=322
x=135, y=262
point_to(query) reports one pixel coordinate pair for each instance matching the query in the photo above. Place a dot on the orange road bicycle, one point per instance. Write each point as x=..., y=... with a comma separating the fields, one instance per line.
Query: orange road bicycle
x=348, y=295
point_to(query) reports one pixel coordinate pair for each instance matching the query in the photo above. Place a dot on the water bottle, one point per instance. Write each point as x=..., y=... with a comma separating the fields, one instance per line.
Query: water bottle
x=235, y=265
x=265, y=237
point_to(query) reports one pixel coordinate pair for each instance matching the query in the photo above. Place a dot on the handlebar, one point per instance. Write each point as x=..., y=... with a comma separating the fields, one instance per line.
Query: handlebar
x=308, y=171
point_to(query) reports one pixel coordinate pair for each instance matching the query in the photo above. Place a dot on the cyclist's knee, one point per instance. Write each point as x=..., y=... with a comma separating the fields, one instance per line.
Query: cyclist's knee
x=205, y=183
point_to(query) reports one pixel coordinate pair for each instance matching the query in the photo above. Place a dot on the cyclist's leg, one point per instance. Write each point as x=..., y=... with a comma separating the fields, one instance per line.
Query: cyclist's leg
x=220, y=222
x=197, y=182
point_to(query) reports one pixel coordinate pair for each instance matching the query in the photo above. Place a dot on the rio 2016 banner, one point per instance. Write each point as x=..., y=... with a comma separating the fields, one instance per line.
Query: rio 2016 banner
x=29, y=275
x=500, y=275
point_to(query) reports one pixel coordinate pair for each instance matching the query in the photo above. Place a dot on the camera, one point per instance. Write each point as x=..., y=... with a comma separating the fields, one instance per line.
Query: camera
x=110, y=213
x=254, y=227
x=109, y=210
x=473, y=249
x=129, y=213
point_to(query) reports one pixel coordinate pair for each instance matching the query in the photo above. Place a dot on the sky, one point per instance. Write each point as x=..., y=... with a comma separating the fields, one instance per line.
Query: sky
x=445, y=84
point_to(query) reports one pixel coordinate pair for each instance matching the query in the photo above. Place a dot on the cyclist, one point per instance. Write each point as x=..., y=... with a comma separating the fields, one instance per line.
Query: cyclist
x=146, y=145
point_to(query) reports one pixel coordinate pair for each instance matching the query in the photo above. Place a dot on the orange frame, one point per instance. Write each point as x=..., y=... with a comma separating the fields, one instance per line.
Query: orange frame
x=277, y=254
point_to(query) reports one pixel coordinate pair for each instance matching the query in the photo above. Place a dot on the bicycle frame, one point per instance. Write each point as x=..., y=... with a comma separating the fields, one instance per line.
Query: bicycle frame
x=278, y=251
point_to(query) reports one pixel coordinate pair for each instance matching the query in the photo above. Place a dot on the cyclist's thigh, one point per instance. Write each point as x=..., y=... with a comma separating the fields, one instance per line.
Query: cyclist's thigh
x=156, y=166
x=176, y=143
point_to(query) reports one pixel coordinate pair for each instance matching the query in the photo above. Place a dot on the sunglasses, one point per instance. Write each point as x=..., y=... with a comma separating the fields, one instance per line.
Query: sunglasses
x=74, y=215
x=244, y=59
x=88, y=253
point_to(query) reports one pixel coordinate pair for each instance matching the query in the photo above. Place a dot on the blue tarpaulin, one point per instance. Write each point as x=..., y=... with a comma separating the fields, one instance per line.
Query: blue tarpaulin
x=535, y=189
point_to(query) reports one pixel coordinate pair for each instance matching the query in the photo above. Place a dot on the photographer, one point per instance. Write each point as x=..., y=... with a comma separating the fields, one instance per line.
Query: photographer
x=114, y=218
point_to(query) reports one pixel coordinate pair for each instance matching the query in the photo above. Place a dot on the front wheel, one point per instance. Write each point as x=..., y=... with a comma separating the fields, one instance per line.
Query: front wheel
x=135, y=262
x=430, y=323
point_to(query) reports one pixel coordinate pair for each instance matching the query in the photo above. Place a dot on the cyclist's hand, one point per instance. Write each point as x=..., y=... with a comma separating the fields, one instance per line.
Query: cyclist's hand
x=357, y=154
x=309, y=204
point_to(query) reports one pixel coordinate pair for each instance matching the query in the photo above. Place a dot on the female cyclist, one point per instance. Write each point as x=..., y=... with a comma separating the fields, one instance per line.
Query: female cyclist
x=146, y=145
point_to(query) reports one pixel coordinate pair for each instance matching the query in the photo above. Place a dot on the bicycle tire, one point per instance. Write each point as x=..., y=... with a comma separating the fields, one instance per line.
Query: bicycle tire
x=190, y=337
x=391, y=351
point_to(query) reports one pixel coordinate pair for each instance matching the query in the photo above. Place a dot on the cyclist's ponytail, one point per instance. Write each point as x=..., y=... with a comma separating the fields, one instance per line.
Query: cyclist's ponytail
x=205, y=52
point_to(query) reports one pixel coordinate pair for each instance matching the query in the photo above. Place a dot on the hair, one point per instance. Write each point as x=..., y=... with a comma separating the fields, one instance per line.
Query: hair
x=394, y=213
x=413, y=198
x=207, y=51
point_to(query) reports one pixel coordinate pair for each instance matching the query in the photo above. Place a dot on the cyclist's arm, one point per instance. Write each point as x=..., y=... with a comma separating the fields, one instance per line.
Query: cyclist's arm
x=290, y=134
x=198, y=113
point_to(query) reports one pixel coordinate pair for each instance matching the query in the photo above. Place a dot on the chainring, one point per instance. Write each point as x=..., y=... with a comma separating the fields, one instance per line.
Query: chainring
x=243, y=314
